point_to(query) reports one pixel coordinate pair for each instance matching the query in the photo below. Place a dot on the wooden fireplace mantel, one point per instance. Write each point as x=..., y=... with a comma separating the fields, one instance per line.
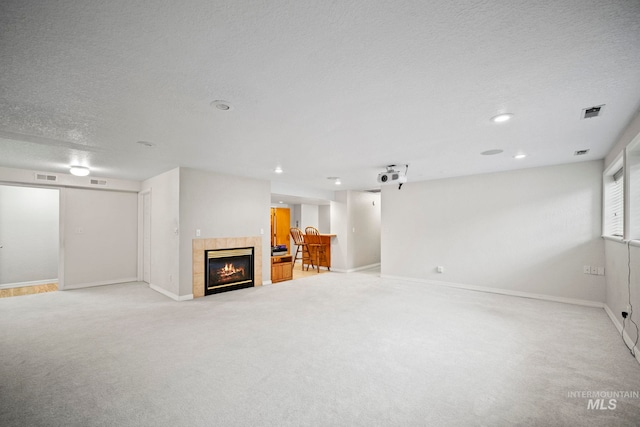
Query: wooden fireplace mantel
x=198, y=258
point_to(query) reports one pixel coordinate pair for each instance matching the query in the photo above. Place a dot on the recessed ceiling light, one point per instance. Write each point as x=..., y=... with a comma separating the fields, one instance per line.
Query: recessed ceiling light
x=79, y=170
x=278, y=169
x=338, y=182
x=520, y=156
x=491, y=152
x=501, y=118
x=221, y=105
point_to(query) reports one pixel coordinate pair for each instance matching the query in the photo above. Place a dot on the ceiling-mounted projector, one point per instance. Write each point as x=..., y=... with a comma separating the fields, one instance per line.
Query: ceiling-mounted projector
x=392, y=176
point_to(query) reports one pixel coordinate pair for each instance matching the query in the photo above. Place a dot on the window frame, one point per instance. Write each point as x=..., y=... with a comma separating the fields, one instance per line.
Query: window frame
x=611, y=176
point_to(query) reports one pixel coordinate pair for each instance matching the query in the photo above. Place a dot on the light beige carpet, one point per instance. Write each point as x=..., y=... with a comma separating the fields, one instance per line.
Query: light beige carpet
x=328, y=350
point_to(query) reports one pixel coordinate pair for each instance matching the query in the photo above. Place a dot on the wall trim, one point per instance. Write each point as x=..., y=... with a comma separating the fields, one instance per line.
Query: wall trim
x=266, y=282
x=100, y=283
x=170, y=294
x=487, y=289
x=33, y=283
x=625, y=337
x=353, y=270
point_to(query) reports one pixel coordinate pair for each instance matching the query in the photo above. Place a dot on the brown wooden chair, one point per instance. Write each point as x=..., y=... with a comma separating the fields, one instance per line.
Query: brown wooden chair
x=317, y=249
x=302, y=248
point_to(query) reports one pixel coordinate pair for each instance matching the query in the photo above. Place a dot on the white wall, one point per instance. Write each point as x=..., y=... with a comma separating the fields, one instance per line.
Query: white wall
x=165, y=229
x=339, y=224
x=221, y=206
x=308, y=216
x=619, y=289
x=619, y=255
x=632, y=130
x=529, y=230
x=355, y=220
x=99, y=237
x=324, y=219
x=364, y=229
x=29, y=235
x=296, y=217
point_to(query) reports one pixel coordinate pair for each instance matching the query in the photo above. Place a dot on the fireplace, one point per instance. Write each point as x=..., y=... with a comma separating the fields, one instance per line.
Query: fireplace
x=228, y=269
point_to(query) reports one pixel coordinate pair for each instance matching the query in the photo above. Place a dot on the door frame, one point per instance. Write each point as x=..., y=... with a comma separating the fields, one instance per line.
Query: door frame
x=141, y=240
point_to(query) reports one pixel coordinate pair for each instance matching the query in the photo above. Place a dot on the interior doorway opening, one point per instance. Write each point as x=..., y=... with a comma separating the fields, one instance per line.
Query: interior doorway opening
x=29, y=239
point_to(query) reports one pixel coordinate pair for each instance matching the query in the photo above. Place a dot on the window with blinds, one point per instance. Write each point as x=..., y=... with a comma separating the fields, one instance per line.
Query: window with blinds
x=615, y=205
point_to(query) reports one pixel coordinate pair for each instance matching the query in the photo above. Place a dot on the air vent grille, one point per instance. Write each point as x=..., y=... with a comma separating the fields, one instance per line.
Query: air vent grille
x=591, y=112
x=98, y=182
x=45, y=177
x=581, y=152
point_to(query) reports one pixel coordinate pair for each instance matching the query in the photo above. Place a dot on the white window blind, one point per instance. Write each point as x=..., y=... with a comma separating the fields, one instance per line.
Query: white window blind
x=615, y=209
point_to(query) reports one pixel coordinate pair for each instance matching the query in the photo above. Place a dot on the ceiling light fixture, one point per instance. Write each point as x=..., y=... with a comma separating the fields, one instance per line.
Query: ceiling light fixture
x=492, y=152
x=278, y=169
x=79, y=170
x=500, y=118
x=221, y=105
x=520, y=156
x=335, y=179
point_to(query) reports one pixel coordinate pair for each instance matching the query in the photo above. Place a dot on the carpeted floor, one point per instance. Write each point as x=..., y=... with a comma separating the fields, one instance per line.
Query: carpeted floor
x=327, y=350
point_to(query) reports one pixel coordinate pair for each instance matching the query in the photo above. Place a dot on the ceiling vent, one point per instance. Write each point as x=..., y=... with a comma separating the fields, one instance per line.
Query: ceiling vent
x=45, y=177
x=98, y=182
x=581, y=152
x=589, y=113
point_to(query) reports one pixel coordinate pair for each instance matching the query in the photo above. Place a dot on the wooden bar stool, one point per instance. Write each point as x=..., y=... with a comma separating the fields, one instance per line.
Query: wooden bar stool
x=316, y=247
x=302, y=248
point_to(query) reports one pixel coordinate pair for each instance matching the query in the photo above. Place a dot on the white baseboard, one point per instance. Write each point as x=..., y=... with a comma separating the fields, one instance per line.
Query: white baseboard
x=267, y=282
x=353, y=270
x=101, y=283
x=34, y=283
x=170, y=294
x=625, y=337
x=544, y=297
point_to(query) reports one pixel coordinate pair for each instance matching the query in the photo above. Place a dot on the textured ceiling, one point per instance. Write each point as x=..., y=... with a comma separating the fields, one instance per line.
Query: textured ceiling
x=320, y=88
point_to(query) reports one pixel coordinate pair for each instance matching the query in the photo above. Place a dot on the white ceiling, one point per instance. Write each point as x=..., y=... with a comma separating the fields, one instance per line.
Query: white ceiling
x=333, y=88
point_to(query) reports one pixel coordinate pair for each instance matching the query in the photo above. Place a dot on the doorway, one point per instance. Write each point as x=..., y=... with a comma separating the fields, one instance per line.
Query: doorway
x=29, y=238
x=280, y=226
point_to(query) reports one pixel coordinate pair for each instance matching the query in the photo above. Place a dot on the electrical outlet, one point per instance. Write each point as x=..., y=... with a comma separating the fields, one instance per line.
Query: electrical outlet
x=600, y=271
x=440, y=269
x=586, y=269
x=594, y=270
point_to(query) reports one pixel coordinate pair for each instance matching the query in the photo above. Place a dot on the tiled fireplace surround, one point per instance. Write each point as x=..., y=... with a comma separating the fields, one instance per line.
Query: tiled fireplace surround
x=201, y=245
